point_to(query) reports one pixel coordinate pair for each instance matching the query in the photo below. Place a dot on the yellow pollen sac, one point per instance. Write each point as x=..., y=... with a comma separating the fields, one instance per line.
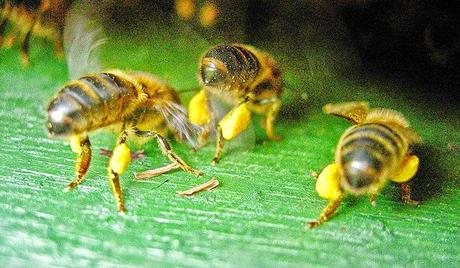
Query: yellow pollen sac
x=235, y=122
x=120, y=158
x=75, y=144
x=198, y=109
x=407, y=170
x=328, y=183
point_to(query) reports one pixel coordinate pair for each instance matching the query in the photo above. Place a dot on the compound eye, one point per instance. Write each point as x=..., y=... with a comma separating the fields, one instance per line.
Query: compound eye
x=211, y=75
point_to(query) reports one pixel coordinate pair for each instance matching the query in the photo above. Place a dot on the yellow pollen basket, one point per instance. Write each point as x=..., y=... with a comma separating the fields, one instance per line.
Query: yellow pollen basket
x=235, y=122
x=407, y=170
x=75, y=144
x=328, y=183
x=198, y=109
x=120, y=158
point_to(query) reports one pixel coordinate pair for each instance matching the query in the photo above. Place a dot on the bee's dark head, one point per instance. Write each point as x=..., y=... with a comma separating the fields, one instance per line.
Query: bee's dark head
x=213, y=72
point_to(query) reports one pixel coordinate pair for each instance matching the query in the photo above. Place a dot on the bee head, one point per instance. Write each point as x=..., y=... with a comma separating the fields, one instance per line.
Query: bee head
x=212, y=74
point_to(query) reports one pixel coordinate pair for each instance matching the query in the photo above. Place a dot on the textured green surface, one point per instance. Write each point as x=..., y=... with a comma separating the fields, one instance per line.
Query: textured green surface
x=256, y=217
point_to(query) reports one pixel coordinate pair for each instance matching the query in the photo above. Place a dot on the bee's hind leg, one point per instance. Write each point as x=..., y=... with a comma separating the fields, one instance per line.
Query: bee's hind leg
x=165, y=146
x=82, y=147
x=404, y=174
x=328, y=187
x=405, y=195
x=119, y=161
x=138, y=155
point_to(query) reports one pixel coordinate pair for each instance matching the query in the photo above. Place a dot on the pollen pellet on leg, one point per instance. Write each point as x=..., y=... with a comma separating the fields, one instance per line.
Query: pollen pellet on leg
x=120, y=158
x=236, y=122
x=328, y=182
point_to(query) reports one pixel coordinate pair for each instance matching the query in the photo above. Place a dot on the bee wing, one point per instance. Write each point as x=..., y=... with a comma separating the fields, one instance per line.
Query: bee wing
x=354, y=111
x=177, y=119
x=245, y=140
x=83, y=37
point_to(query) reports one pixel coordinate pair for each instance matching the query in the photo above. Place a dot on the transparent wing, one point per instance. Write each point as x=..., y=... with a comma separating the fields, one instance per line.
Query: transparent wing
x=83, y=37
x=244, y=141
x=354, y=111
x=177, y=119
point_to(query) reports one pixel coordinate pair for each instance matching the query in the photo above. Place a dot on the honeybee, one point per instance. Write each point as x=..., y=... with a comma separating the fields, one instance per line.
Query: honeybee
x=245, y=78
x=136, y=103
x=44, y=18
x=369, y=154
x=208, y=13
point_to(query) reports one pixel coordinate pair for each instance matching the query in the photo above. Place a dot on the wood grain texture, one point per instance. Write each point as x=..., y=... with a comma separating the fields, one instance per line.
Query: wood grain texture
x=255, y=217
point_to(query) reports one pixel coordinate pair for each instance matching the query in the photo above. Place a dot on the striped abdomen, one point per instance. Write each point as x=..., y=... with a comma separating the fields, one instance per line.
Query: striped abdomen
x=89, y=103
x=228, y=63
x=367, y=154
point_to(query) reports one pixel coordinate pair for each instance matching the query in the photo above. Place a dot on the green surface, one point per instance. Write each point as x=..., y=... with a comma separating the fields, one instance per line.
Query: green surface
x=256, y=216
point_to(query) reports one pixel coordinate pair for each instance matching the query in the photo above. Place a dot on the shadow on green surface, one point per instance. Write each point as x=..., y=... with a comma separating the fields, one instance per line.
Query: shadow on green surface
x=432, y=178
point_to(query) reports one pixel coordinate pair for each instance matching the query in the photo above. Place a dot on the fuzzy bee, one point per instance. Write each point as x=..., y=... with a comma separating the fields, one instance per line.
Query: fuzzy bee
x=43, y=18
x=134, y=103
x=207, y=16
x=246, y=79
x=369, y=154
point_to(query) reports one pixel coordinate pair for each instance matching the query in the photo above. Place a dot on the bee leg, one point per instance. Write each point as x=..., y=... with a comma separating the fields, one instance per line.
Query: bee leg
x=231, y=126
x=138, y=155
x=219, y=145
x=327, y=212
x=328, y=187
x=165, y=146
x=9, y=40
x=2, y=30
x=372, y=199
x=25, y=58
x=82, y=147
x=270, y=119
x=167, y=150
x=58, y=48
x=119, y=161
x=407, y=169
x=405, y=195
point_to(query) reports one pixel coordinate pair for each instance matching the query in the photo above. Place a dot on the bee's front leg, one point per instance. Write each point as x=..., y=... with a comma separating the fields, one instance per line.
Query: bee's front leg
x=81, y=146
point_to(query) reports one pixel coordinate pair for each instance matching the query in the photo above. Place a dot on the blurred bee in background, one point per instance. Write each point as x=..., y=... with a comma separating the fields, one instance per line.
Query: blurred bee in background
x=136, y=104
x=245, y=78
x=369, y=154
x=44, y=18
x=208, y=13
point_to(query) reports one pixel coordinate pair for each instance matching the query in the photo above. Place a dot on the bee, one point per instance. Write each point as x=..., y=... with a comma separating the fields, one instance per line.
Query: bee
x=136, y=103
x=241, y=76
x=375, y=150
x=44, y=18
x=208, y=12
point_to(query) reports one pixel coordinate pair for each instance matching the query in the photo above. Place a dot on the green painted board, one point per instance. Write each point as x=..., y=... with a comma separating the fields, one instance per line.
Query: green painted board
x=256, y=216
